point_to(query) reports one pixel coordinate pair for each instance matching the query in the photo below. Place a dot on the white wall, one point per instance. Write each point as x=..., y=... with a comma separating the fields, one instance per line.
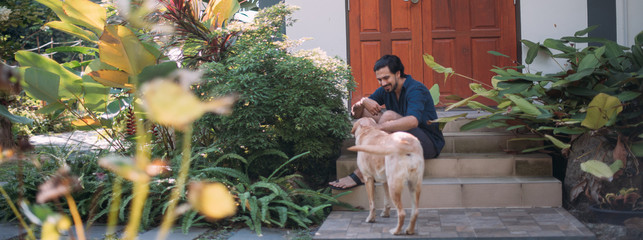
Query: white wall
x=542, y=19
x=629, y=21
x=324, y=22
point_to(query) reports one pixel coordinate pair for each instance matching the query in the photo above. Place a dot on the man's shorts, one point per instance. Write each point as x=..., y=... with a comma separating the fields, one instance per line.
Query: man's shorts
x=428, y=147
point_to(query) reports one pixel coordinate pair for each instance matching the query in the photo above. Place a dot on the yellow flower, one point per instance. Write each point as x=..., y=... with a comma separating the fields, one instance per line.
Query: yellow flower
x=212, y=199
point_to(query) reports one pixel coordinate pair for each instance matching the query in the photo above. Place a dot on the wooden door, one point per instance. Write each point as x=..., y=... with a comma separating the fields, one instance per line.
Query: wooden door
x=380, y=27
x=458, y=33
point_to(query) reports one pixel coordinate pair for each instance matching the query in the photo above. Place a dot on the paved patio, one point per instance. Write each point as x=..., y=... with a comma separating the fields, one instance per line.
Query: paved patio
x=475, y=223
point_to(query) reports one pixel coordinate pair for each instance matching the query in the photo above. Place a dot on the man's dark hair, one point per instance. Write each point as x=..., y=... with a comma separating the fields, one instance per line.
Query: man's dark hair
x=392, y=62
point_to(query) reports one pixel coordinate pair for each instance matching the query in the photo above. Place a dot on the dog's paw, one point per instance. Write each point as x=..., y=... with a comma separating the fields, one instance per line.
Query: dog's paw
x=385, y=214
x=370, y=219
x=396, y=231
x=409, y=231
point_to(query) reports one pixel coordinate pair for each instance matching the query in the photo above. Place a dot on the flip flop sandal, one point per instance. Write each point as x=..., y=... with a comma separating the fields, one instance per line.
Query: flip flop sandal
x=354, y=177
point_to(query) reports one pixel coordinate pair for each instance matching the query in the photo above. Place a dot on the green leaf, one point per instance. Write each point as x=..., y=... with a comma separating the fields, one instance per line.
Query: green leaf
x=435, y=93
x=578, y=75
x=513, y=87
x=74, y=49
x=616, y=166
x=584, y=39
x=637, y=148
x=533, y=50
x=497, y=54
x=428, y=59
x=41, y=84
x=96, y=95
x=558, y=45
x=524, y=105
x=585, y=31
x=450, y=118
x=598, y=169
x=73, y=30
x=515, y=127
x=69, y=83
x=50, y=108
x=475, y=124
x=4, y=112
x=628, y=95
x=462, y=102
x=590, y=61
x=557, y=142
x=600, y=110
x=154, y=71
x=480, y=90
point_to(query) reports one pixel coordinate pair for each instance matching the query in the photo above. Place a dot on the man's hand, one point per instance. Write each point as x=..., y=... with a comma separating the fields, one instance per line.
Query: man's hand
x=371, y=106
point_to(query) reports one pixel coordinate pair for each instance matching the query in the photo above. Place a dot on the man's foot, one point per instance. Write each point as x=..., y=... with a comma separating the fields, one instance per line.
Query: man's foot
x=345, y=183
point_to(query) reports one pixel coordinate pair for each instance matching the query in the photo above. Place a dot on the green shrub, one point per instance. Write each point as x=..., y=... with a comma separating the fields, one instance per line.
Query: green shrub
x=293, y=102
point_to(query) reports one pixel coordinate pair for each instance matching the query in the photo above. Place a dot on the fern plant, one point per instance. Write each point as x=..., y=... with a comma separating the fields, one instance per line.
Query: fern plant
x=276, y=200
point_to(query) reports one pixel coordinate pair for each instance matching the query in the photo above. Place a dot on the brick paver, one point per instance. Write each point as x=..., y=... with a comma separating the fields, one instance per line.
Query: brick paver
x=475, y=223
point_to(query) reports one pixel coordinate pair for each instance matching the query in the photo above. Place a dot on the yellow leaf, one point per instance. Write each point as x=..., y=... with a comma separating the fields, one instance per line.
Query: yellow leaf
x=86, y=14
x=124, y=167
x=85, y=121
x=601, y=110
x=119, y=47
x=221, y=11
x=169, y=104
x=212, y=199
x=112, y=78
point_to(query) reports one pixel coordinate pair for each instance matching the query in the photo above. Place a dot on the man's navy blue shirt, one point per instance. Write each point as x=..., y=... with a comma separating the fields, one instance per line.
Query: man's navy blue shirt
x=415, y=100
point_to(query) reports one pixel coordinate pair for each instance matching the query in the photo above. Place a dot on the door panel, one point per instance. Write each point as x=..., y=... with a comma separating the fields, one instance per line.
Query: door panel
x=472, y=28
x=383, y=27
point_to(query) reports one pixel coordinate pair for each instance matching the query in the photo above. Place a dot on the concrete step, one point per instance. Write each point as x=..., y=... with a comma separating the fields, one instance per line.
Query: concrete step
x=471, y=165
x=478, y=142
x=495, y=192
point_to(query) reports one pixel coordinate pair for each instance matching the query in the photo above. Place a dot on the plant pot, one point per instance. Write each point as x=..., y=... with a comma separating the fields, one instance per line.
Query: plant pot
x=616, y=217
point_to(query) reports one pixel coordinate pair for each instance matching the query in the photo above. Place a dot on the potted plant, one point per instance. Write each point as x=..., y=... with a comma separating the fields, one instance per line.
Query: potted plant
x=615, y=208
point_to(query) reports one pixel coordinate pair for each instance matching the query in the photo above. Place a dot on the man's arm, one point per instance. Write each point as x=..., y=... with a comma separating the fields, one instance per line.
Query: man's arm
x=365, y=103
x=400, y=124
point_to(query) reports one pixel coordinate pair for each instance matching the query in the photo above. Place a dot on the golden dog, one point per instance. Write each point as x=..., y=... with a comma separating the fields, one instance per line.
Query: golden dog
x=392, y=159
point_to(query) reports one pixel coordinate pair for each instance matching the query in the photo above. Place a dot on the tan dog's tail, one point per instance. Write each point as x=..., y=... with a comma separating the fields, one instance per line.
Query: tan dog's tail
x=404, y=145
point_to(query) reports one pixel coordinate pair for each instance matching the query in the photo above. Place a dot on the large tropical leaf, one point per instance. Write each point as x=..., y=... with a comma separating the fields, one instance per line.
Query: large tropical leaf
x=112, y=78
x=96, y=95
x=69, y=83
x=600, y=110
x=74, y=30
x=87, y=14
x=79, y=12
x=220, y=11
x=119, y=47
x=4, y=112
x=41, y=84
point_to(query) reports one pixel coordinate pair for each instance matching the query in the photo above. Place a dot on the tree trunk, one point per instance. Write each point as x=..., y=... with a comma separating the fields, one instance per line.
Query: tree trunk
x=6, y=137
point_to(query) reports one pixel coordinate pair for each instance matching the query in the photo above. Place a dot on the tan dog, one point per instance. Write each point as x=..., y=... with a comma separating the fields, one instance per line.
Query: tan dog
x=392, y=159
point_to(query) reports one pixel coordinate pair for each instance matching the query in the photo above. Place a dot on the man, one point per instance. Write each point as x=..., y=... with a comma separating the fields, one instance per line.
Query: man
x=410, y=108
